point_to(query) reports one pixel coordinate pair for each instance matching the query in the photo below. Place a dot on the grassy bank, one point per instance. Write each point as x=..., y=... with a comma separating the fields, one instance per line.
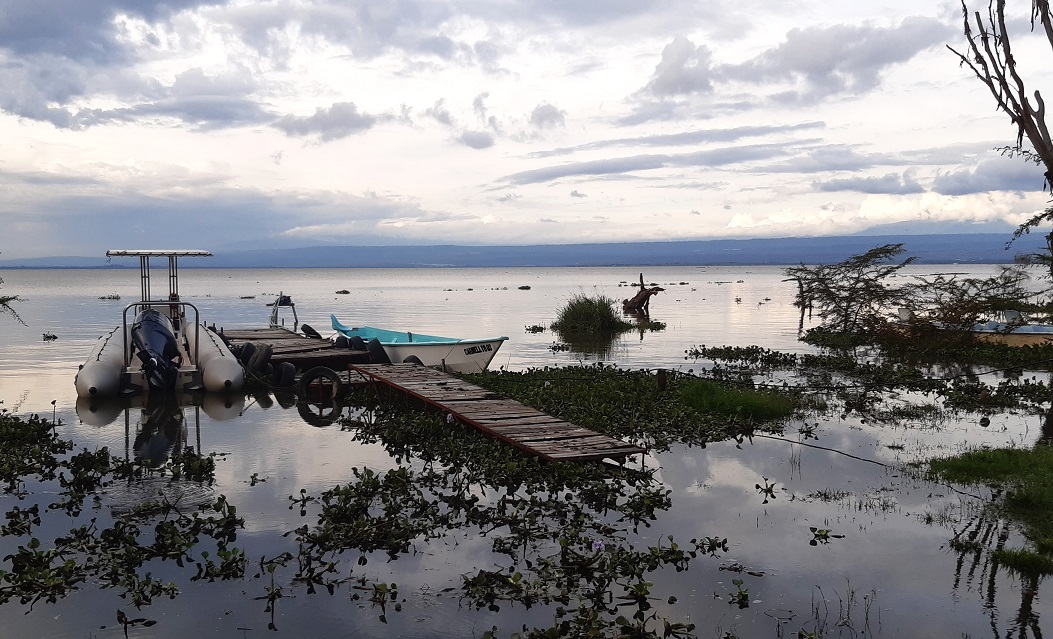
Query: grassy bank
x=1022, y=480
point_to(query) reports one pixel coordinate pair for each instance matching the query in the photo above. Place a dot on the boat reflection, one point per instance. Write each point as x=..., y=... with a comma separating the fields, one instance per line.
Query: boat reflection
x=162, y=429
x=162, y=423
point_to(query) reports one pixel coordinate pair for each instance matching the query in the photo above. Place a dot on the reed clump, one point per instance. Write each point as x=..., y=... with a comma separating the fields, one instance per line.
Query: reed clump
x=584, y=315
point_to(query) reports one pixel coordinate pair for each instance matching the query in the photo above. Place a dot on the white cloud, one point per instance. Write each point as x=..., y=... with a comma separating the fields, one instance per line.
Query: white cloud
x=281, y=120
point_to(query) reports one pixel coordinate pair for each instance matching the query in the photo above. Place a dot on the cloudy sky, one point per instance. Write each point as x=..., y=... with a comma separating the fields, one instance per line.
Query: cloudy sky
x=215, y=123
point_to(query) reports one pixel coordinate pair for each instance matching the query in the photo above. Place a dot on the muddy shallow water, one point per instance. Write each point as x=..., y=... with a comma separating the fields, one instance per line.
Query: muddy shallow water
x=885, y=570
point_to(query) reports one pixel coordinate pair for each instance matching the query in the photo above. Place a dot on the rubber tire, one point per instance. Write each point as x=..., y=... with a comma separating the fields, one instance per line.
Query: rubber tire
x=286, y=398
x=284, y=375
x=316, y=373
x=309, y=331
x=342, y=342
x=245, y=353
x=259, y=360
x=377, y=354
x=263, y=399
x=357, y=343
x=413, y=359
x=326, y=415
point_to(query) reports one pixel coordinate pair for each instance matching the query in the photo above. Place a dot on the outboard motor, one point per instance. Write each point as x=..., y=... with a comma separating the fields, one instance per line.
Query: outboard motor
x=156, y=346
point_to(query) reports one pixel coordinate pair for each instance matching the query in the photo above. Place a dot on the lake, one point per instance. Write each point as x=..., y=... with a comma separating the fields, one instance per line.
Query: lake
x=889, y=571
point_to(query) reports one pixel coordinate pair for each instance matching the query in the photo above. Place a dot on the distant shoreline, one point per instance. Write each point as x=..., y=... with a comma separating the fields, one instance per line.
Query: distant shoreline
x=961, y=248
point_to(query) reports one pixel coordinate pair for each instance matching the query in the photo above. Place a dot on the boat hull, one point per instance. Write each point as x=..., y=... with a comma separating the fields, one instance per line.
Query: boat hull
x=104, y=374
x=465, y=356
x=100, y=374
x=446, y=353
x=220, y=370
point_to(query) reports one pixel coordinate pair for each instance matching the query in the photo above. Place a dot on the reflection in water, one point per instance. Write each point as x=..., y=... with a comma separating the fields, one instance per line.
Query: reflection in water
x=598, y=344
x=979, y=546
x=159, y=415
x=162, y=429
x=1045, y=436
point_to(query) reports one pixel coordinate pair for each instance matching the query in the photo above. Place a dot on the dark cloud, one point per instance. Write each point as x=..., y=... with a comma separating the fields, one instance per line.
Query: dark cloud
x=998, y=174
x=683, y=138
x=477, y=139
x=620, y=166
x=812, y=64
x=684, y=69
x=78, y=29
x=440, y=113
x=442, y=46
x=338, y=121
x=33, y=89
x=840, y=59
x=888, y=184
x=203, y=101
x=546, y=116
x=577, y=193
x=832, y=157
x=479, y=104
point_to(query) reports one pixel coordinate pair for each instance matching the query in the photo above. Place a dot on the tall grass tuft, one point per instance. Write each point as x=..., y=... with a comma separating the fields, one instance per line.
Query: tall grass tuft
x=1027, y=477
x=705, y=396
x=584, y=315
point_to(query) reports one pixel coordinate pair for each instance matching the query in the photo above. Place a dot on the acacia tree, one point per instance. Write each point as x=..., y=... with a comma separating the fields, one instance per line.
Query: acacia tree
x=990, y=57
x=852, y=297
x=5, y=305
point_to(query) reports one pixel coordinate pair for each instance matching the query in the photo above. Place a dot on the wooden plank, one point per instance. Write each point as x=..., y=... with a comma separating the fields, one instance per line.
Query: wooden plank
x=303, y=352
x=524, y=427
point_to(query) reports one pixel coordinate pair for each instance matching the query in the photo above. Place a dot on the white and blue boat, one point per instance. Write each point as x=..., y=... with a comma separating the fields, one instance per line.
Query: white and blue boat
x=447, y=353
x=1008, y=327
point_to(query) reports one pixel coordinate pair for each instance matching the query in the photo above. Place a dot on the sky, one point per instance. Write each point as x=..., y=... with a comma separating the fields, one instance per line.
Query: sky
x=211, y=123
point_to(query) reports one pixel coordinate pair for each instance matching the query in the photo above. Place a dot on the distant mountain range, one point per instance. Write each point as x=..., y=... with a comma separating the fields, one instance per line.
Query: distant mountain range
x=963, y=248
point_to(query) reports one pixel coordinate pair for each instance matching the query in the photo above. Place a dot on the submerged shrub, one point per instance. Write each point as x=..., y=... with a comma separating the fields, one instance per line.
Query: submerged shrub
x=706, y=396
x=584, y=315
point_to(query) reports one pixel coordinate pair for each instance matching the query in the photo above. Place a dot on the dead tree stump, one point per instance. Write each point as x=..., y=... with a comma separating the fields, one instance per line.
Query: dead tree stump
x=641, y=302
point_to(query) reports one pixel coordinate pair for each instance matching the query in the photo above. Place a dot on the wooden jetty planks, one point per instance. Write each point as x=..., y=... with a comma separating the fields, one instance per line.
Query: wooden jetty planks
x=524, y=427
x=304, y=352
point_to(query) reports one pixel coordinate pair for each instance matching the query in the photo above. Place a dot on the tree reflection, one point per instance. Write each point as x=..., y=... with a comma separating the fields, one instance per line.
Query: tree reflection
x=981, y=547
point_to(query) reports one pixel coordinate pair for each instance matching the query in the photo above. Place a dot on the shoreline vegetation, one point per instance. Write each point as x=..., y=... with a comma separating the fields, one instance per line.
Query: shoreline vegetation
x=568, y=537
x=598, y=554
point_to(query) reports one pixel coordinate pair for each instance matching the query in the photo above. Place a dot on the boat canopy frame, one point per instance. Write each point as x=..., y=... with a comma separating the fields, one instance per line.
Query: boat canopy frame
x=144, y=256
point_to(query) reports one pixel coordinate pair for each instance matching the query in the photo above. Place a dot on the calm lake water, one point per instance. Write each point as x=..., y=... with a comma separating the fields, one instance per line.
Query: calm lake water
x=892, y=574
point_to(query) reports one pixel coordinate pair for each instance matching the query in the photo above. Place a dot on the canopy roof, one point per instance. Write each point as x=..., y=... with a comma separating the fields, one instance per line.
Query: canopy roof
x=157, y=253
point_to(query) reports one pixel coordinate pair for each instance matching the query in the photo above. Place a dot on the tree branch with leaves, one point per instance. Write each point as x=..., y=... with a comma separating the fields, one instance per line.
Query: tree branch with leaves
x=855, y=296
x=5, y=305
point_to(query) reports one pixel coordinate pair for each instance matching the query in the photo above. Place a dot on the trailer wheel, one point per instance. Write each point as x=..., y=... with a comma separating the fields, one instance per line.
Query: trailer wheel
x=413, y=359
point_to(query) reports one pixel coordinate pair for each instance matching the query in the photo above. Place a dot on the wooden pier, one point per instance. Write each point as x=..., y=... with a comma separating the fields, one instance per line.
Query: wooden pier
x=524, y=427
x=304, y=352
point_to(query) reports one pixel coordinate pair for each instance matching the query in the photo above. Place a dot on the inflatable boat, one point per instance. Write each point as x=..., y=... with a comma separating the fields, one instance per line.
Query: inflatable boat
x=157, y=349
